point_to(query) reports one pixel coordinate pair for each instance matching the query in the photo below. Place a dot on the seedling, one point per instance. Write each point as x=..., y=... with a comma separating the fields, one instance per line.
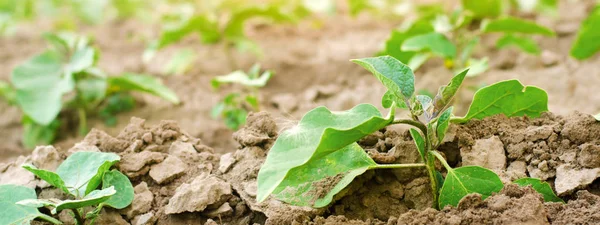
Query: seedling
x=235, y=106
x=454, y=36
x=65, y=78
x=220, y=22
x=321, y=151
x=79, y=176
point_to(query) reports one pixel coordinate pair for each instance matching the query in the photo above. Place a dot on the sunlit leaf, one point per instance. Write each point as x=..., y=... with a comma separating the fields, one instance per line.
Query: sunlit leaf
x=465, y=180
x=515, y=25
x=541, y=187
x=143, y=83
x=586, y=44
x=435, y=43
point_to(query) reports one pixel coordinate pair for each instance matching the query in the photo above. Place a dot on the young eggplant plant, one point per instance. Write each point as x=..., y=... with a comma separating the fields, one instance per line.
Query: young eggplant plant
x=79, y=176
x=235, y=106
x=65, y=78
x=321, y=152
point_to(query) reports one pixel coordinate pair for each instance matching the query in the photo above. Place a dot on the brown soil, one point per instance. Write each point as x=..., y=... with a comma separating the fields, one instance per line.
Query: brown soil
x=179, y=180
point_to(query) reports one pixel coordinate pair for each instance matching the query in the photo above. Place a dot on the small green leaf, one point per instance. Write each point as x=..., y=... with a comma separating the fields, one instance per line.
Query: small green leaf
x=442, y=124
x=483, y=8
x=331, y=172
x=201, y=24
x=524, y=43
x=446, y=93
x=432, y=42
x=48, y=176
x=13, y=213
x=541, y=187
x=93, y=198
x=40, y=83
x=466, y=180
x=7, y=92
x=235, y=27
x=240, y=77
x=515, y=25
x=397, y=77
x=586, y=44
x=477, y=66
x=82, y=59
x=393, y=43
x=510, y=98
x=82, y=171
x=319, y=134
x=389, y=98
x=123, y=187
x=419, y=142
x=143, y=83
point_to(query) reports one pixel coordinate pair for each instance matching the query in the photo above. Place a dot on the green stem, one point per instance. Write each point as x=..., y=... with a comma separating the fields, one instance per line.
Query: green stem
x=49, y=219
x=78, y=217
x=414, y=123
x=441, y=159
x=82, y=121
x=432, y=179
x=397, y=166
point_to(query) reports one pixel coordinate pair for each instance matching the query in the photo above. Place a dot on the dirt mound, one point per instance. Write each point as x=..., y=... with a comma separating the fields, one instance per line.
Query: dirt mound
x=179, y=180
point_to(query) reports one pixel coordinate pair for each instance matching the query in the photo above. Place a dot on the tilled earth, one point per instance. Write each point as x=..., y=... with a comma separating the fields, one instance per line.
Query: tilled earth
x=178, y=179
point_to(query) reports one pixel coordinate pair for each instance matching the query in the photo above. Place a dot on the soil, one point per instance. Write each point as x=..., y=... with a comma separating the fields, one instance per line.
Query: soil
x=192, y=170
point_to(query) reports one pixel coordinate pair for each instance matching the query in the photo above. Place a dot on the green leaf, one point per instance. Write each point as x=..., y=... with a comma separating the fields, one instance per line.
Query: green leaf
x=524, y=43
x=442, y=124
x=82, y=171
x=319, y=134
x=477, y=66
x=240, y=77
x=541, y=187
x=433, y=42
x=316, y=182
x=40, y=83
x=48, y=176
x=466, y=180
x=82, y=59
x=597, y=117
x=181, y=62
x=234, y=118
x=586, y=44
x=446, y=93
x=13, y=213
x=393, y=44
x=143, y=83
x=395, y=76
x=235, y=27
x=419, y=142
x=35, y=134
x=510, y=98
x=123, y=187
x=93, y=198
x=92, y=90
x=389, y=98
x=207, y=28
x=7, y=92
x=483, y=8
x=515, y=25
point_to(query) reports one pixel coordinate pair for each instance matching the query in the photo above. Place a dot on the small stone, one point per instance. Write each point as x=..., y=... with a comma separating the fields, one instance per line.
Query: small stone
x=549, y=58
x=109, y=216
x=251, y=188
x=589, y=156
x=544, y=166
x=227, y=160
x=205, y=191
x=46, y=157
x=569, y=179
x=538, y=133
x=223, y=210
x=169, y=169
x=211, y=222
x=184, y=150
x=147, y=137
x=144, y=219
x=516, y=170
x=142, y=201
x=136, y=161
x=488, y=153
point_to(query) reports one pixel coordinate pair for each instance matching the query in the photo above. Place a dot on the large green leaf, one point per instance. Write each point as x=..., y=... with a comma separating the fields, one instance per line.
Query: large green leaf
x=541, y=187
x=395, y=76
x=82, y=172
x=12, y=213
x=397, y=38
x=446, y=93
x=466, y=180
x=319, y=134
x=587, y=44
x=316, y=182
x=40, y=83
x=48, y=176
x=515, y=25
x=123, y=187
x=510, y=98
x=524, y=43
x=432, y=42
x=483, y=8
x=143, y=83
x=235, y=27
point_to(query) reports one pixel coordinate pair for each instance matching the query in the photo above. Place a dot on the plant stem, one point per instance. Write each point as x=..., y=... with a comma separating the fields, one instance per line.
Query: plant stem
x=78, y=217
x=82, y=121
x=442, y=160
x=432, y=179
x=414, y=123
x=396, y=166
x=49, y=219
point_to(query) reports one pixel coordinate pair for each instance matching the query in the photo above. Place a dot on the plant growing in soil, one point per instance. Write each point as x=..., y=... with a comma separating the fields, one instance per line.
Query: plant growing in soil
x=316, y=159
x=235, y=106
x=454, y=36
x=65, y=79
x=79, y=176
